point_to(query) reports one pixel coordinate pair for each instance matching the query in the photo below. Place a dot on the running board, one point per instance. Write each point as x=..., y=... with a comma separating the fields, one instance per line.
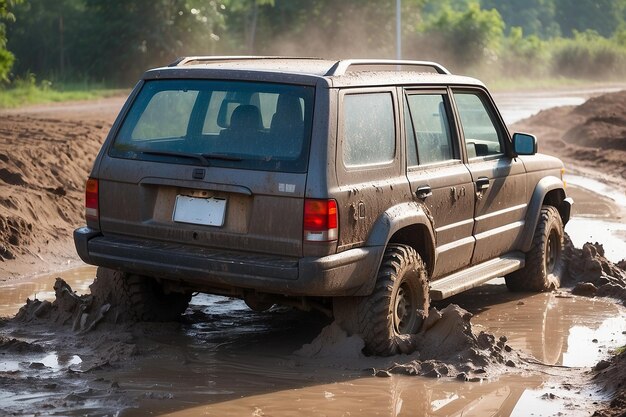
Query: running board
x=476, y=275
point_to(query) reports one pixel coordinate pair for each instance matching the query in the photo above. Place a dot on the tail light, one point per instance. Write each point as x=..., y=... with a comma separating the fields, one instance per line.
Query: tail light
x=320, y=220
x=91, y=199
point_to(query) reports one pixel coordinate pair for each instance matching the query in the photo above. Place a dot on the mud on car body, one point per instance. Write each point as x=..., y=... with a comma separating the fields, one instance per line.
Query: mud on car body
x=364, y=188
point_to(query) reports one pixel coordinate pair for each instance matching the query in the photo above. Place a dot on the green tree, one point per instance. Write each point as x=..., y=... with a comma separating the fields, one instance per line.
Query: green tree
x=470, y=38
x=535, y=17
x=45, y=37
x=6, y=57
x=602, y=16
x=125, y=38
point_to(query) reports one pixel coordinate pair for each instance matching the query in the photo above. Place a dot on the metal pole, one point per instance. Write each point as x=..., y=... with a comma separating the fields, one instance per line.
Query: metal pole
x=398, y=29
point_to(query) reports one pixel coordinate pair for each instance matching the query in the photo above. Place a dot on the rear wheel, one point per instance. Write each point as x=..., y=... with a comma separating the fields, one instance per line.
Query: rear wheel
x=398, y=305
x=141, y=298
x=544, y=262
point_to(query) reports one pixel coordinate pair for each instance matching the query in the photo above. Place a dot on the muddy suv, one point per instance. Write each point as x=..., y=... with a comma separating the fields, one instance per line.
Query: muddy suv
x=364, y=188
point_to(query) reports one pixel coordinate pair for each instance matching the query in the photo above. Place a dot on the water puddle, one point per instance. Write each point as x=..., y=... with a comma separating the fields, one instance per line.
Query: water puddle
x=50, y=362
x=597, y=216
x=395, y=396
x=557, y=329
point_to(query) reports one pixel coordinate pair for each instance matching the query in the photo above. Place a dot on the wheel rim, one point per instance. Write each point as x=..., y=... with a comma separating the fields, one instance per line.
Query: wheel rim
x=404, y=312
x=553, y=251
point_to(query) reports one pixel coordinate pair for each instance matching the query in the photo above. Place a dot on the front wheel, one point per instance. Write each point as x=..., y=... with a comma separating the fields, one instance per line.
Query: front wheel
x=398, y=305
x=545, y=265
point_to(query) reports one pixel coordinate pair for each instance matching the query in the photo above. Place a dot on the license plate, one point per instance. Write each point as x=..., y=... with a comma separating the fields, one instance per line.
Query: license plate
x=205, y=211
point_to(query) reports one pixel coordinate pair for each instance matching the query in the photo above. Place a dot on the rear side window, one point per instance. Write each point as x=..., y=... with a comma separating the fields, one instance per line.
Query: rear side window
x=368, y=129
x=247, y=125
x=430, y=128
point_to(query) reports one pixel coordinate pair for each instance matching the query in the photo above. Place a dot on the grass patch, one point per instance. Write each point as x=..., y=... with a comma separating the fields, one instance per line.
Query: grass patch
x=24, y=92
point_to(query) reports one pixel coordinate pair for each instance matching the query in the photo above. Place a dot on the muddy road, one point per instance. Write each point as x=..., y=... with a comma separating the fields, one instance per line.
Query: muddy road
x=223, y=359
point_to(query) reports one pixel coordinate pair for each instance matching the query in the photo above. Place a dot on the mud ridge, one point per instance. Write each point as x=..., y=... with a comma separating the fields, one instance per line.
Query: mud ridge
x=592, y=274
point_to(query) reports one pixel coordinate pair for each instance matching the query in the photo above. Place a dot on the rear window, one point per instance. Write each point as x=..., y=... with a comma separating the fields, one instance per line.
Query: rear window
x=245, y=125
x=368, y=129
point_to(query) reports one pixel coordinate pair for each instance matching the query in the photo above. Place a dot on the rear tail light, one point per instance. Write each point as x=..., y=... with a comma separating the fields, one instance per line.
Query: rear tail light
x=320, y=220
x=91, y=199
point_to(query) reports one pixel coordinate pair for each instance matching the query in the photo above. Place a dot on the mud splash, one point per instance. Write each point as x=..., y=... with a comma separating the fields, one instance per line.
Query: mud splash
x=446, y=347
x=82, y=312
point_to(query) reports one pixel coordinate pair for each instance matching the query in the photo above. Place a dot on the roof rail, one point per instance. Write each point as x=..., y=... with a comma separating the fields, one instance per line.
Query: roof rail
x=341, y=67
x=187, y=59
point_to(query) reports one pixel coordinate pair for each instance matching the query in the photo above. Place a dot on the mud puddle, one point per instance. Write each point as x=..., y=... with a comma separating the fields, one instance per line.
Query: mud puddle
x=226, y=360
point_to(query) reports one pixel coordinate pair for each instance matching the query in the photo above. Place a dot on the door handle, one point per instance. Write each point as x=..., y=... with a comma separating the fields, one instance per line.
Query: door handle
x=424, y=191
x=482, y=183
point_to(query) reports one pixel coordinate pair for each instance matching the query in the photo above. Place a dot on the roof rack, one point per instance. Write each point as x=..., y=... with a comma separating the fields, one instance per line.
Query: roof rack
x=341, y=67
x=187, y=59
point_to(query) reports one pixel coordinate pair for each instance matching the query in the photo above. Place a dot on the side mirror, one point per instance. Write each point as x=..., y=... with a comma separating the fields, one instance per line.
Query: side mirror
x=524, y=144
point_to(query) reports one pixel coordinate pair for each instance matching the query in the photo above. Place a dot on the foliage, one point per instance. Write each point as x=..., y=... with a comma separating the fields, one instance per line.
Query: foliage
x=6, y=57
x=523, y=56
x=114, y=41
x=589, y=55
x=471, y=37
x=534, y=17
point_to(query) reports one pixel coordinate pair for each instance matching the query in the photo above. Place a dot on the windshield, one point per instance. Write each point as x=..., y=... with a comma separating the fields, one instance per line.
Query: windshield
x=227, y=123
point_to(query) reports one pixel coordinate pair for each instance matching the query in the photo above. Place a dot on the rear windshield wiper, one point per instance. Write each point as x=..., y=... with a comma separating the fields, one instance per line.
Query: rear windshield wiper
x=198, y=157
x=221, y=157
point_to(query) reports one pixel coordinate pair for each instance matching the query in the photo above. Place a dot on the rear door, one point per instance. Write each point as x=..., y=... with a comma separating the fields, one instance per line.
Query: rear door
x=210, y=163
x=439, y=179
x=498, y=180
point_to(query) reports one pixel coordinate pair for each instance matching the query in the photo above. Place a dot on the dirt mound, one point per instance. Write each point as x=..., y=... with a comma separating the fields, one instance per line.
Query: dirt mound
x=592, y=135
x=44, y=163
x=592, y=273
x=446, y=347
x=604, y=123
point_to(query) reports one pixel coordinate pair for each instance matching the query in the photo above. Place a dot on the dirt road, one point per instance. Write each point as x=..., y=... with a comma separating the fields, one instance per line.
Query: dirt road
x=225, y=360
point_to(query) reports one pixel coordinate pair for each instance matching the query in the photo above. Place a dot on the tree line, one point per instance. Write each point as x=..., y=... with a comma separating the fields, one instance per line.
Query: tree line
x=114, y=41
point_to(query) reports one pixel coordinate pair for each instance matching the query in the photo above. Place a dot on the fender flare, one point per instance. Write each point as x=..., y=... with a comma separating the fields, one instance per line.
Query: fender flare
x=543, y=187
x=397, y=218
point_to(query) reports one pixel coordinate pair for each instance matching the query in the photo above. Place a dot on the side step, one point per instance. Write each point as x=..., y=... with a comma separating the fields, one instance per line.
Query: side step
x=476, y=275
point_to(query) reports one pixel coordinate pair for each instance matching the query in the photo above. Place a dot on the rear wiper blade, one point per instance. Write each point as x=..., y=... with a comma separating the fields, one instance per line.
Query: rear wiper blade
x=221, y=157
x=198, y=157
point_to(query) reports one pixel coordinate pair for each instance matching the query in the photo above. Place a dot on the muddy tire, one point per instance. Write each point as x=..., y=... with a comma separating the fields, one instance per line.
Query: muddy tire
x=544, y=262
x=398, y=305
x=141, y=298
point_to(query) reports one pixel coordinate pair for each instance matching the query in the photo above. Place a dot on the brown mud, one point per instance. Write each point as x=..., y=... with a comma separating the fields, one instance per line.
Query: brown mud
x=45, y=157
x=489, y=350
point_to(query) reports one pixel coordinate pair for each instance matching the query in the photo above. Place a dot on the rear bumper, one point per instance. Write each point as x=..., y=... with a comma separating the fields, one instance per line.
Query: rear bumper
x=347, y=273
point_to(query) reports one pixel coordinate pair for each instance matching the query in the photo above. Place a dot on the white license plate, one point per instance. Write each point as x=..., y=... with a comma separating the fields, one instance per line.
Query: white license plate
x=205, y=211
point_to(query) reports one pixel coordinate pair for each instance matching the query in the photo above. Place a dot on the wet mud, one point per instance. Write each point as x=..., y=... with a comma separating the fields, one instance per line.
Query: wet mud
x=488, y=351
